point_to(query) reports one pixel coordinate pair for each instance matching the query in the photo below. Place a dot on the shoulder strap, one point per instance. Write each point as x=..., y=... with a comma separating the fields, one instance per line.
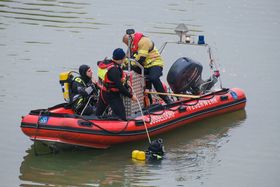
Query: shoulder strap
x=79, y=80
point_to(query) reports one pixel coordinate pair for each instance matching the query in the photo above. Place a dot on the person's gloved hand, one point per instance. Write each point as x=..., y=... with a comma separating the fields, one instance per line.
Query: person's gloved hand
x=134, y=98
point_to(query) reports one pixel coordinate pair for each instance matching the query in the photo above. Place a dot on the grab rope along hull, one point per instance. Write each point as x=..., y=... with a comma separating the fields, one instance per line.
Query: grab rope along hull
x=59, y=124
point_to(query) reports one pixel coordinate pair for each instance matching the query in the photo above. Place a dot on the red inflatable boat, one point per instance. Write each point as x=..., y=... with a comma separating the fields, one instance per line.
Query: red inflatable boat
x=60, y=124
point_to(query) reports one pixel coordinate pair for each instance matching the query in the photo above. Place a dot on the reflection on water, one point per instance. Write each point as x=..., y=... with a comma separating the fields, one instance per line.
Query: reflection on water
x=191, y=154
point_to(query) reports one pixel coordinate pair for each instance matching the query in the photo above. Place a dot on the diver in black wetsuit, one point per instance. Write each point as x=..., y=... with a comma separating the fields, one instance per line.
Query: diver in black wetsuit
x=84, y=88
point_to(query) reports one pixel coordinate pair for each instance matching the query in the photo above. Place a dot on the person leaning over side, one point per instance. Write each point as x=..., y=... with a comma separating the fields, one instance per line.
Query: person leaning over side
x=84, y=92
x=112, y=85
x=144, y=51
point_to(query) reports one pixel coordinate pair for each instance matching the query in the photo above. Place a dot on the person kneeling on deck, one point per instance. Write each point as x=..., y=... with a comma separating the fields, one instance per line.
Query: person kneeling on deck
x=84, y=92
x=144, y=51
x=112, y=85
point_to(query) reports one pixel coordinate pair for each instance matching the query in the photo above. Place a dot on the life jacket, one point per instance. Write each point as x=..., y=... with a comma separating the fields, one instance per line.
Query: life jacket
x=103, y=82
x=137, y=38
x=153, y=57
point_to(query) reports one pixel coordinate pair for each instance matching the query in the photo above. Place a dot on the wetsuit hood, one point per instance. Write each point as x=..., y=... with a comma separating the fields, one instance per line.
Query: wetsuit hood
x=83, y=72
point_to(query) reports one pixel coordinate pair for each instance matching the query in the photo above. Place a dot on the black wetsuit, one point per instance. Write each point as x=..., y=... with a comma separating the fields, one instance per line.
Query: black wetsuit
x=81, y=93
x=113, y=98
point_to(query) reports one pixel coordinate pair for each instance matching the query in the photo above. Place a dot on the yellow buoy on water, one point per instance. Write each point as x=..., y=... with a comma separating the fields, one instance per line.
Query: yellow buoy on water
x=141, y=155
x=138, y=155
x=134, y=153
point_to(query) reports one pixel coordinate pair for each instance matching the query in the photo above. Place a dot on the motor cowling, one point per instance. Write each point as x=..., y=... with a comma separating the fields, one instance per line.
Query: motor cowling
x=184, y=75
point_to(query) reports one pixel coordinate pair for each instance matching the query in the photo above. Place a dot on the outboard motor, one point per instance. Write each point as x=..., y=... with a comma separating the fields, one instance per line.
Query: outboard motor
x=185, y=75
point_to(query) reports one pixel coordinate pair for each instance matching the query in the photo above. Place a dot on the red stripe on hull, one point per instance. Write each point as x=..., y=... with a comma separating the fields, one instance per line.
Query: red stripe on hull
x=68, y=130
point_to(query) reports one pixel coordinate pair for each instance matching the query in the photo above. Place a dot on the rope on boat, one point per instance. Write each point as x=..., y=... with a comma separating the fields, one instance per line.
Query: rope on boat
x=86, y=105
x=110, y=132
x=146, y=128
x=148, y=112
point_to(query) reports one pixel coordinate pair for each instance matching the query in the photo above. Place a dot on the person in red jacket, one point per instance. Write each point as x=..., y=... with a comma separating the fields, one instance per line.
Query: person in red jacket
x=112, y=86
x=144, y=51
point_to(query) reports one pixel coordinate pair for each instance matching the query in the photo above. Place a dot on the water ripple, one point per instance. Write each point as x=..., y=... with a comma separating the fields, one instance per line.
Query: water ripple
x=57, y=14
x=36, y=42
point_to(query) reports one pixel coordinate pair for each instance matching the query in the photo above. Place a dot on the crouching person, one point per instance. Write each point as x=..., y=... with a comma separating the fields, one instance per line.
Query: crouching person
x=84, y=92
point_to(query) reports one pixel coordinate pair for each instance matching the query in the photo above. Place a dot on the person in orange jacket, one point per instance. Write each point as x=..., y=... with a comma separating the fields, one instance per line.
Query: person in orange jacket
x=112, y=86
